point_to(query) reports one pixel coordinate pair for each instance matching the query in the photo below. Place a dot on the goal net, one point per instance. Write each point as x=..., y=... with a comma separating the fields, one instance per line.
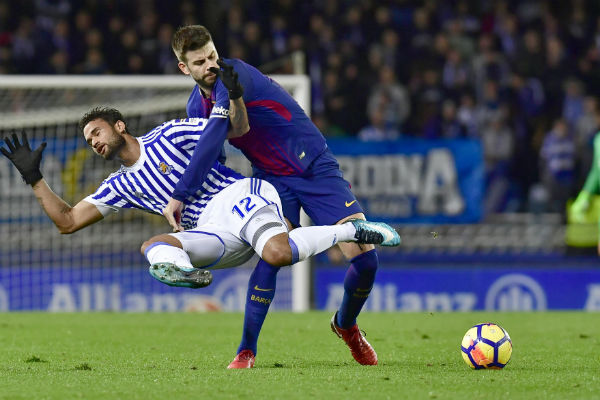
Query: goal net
x=100, y=267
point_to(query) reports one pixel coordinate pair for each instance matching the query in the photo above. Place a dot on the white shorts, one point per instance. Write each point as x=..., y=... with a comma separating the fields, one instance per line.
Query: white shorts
x=236, y=223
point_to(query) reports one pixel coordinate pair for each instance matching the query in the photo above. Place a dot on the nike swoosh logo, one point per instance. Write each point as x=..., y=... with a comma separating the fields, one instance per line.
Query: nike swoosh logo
x=349, y=204
x=262, y=290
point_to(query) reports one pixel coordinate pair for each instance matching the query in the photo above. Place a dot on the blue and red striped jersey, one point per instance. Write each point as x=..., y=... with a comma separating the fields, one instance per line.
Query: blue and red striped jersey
x=282, y=139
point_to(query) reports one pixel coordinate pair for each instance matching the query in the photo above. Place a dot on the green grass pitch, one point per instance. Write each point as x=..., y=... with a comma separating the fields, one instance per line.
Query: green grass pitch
x=184, y=356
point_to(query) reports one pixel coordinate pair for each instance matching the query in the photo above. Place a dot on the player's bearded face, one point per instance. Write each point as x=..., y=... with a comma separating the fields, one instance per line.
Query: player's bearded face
x=104, y=139
x=198, y=63
x=113, y=145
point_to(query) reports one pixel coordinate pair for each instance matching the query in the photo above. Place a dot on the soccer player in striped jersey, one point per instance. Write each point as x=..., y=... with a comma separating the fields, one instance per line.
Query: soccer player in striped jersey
x=226, y=219
x=287, y=150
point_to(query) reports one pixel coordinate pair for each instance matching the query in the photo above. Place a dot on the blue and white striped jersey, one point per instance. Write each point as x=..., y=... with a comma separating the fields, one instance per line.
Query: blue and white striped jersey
x=165, y=152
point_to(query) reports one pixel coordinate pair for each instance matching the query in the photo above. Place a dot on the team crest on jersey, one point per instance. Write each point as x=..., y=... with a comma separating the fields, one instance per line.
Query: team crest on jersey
x=164, y=168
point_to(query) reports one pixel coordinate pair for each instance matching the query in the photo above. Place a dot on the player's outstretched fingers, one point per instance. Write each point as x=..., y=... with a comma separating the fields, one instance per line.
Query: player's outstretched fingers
x=14, y=144
x=3, y=150
x=24, y=140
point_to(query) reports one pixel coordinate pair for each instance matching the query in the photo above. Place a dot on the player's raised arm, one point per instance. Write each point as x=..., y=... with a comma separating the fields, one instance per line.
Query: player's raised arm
x=66, y=218
x=208, y=149
x=238, y=116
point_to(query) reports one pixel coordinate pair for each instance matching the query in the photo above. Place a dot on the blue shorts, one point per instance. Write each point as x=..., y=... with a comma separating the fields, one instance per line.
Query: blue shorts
x=321, y=191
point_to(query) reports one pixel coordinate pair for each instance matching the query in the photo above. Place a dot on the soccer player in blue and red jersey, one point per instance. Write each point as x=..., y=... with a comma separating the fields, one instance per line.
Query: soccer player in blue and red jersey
x=287, y=150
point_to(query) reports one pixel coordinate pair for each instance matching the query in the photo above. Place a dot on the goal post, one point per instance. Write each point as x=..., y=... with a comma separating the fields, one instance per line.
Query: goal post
x=299, y=87
x=49, y=108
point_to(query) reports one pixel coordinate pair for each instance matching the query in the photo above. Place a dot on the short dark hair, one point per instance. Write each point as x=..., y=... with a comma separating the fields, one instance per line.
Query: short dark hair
x=110, y=115
x=190, y=37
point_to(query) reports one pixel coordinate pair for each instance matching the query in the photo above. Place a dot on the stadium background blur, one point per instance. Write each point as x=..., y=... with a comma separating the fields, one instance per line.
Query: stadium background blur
x=521, y=78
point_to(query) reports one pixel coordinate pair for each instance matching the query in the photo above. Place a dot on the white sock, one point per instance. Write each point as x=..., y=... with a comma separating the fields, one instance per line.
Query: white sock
x=171, y=254
x=313, y=240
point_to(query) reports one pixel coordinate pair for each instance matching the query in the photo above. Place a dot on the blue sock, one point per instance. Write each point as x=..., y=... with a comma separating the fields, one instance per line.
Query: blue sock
x=261, y=291
x=357, y=286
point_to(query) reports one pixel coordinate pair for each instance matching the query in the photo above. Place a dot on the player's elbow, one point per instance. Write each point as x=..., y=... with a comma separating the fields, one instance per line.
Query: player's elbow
x=66, y=230
x=238, y=131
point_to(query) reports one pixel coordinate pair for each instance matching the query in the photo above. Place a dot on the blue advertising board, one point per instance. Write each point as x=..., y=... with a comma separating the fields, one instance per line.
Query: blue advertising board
x=415, y=180
x=126, y=289
x=517, y=288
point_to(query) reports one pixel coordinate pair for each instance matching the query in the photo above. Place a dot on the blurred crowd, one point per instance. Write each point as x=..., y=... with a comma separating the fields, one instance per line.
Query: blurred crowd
x=522, y=76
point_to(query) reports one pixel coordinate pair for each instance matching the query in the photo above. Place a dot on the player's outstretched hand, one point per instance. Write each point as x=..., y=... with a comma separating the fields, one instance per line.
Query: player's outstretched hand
x=26, y=160
x=172, y=213
x=229, y=78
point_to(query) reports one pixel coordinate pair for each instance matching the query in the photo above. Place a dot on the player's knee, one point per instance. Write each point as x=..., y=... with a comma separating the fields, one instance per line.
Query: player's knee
x=160, y=238
x=277, y=253
x=145, y=245
x=351, y=249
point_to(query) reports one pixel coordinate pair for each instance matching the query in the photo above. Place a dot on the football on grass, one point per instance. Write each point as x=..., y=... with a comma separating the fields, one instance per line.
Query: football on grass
x=486, y=346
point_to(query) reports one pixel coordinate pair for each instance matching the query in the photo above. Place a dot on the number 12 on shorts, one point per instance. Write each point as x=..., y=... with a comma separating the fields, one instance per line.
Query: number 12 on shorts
x=245, y=206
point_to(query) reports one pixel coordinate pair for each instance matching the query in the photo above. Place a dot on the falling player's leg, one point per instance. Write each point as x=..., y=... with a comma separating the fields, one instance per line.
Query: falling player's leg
x=180, y=259
x=171, y=265
x=269, y=237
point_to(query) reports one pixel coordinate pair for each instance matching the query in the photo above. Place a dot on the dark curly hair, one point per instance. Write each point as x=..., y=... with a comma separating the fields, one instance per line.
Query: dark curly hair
x=110, y=115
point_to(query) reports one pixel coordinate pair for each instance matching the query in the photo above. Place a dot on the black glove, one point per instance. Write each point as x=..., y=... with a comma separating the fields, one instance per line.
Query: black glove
x=229, y=78
x=26, y=161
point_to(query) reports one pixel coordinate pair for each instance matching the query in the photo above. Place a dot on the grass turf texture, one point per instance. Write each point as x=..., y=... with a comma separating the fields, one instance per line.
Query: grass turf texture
x=172, y=356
